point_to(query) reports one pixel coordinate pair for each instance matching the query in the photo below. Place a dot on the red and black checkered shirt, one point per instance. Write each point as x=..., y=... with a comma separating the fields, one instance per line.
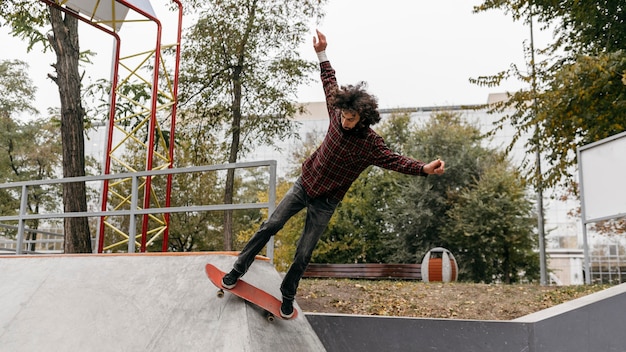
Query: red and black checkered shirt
x=339, y=160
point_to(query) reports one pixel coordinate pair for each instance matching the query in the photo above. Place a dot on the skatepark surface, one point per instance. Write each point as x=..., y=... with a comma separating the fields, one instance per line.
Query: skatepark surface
x=165, y=302
x=138, y=302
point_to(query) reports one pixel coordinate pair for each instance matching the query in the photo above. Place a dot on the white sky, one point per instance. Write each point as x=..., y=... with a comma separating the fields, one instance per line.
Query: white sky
x=418, y=53
x=411, y=53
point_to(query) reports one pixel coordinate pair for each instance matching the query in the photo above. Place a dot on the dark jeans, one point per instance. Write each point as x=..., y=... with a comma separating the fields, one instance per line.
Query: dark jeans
x=319, y=212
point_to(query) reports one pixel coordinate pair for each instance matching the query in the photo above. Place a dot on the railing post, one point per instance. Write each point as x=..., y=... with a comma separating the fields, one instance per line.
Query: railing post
x=271, y=206
x=21, y=221
x=132, y=229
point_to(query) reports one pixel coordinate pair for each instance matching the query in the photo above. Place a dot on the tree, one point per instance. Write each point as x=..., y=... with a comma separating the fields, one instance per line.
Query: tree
x=199, y=230
x=29, y=150
x=478, y=209
x=17, y=89
x=490, y=229
x=27, y=19
x=417, y=210
x=576, y=95
x=580, y=26
x=241, y=71
x=64, y=41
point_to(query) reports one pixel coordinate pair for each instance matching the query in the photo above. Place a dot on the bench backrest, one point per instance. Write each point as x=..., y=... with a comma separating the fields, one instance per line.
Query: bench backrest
x=364, y=271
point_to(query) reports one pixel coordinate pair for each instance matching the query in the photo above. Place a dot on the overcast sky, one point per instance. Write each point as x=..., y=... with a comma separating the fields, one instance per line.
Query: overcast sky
x=421, y=53
x=410, y=53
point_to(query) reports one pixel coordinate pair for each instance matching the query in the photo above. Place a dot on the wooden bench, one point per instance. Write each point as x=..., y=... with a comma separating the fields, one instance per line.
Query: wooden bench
x=365, y=271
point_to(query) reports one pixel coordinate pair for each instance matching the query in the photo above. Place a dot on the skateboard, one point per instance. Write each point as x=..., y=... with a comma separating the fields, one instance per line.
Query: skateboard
x=249, y=293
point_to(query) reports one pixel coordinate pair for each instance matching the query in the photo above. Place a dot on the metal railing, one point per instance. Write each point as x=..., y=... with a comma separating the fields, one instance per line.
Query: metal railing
x=134, y=211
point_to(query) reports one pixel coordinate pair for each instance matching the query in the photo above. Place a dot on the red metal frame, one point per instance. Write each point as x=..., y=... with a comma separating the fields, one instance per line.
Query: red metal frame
x=153, y=123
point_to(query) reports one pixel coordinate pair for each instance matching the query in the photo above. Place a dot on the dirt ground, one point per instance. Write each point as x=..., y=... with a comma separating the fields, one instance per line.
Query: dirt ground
x=433, y=300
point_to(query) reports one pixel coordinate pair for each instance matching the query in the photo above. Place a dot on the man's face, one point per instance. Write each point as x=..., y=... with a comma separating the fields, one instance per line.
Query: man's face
x=349, y=119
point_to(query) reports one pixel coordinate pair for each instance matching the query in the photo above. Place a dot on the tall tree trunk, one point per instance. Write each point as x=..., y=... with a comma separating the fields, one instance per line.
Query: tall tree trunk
x=232, y=158
x=236, y=128
x=228, y=214
x=64, y=41
x=230, y=178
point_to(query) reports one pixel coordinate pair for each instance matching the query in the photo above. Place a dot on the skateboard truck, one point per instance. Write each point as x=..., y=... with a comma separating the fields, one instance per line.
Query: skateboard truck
x=268, y=315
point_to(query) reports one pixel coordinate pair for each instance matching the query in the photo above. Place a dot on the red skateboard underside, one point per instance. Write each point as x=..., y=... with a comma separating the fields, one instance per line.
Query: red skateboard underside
x=248, y=292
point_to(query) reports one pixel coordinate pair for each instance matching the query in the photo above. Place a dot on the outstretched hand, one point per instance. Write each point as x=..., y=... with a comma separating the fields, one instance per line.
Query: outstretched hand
x=436, y=167
x=319, y=43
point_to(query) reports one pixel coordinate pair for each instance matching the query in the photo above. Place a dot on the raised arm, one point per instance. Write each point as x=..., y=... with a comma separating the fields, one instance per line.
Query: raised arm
x=329, y=81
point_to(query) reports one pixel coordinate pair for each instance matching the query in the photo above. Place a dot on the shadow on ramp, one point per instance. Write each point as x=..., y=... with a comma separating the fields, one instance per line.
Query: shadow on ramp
x=138, y=302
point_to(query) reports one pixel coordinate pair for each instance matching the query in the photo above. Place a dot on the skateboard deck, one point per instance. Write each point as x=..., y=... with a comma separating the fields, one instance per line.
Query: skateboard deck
x=249, y=293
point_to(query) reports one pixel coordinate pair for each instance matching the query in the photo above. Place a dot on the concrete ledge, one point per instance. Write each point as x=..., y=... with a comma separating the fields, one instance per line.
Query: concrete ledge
x=591, y=323
x=586, y=302
x=371, y=333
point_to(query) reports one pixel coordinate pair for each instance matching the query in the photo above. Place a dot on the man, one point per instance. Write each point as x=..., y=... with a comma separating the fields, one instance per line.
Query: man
x=350, y=146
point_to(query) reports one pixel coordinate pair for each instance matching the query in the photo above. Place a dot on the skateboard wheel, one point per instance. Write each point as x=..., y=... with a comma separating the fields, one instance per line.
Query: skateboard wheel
x=220, y=294
x=270, y=317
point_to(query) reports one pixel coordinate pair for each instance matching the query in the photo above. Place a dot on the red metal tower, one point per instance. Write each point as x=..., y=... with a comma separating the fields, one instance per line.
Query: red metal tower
x=146, y=125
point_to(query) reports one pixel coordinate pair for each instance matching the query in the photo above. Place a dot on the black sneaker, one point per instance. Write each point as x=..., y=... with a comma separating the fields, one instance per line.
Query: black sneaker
x=286, y=309
x=230, y=280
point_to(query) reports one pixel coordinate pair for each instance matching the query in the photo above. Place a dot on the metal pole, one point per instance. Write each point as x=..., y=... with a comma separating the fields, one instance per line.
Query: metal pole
x=132, y=230
x=168, y=189
x=21, y=222
x=583, y=215
x=271, y=206
x=538, y=176
x=587, y=264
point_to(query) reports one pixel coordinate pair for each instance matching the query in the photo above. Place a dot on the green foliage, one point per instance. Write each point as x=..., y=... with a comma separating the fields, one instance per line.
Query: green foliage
x=478, y=209
x=17, y=89
x=584, y=103
x=240, y=75
x=417, y=211
x=28, y=150
x=581, y=26
x=576, y=94
x=26, y=19
x=201, y=231
x=490, y=229
x=241, y=69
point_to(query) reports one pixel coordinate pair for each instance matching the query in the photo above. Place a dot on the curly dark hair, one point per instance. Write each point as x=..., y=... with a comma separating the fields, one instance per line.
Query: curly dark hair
x=354, y=98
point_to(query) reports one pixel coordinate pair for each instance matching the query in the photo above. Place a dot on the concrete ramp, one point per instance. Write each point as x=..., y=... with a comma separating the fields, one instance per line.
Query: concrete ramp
x=141, y=302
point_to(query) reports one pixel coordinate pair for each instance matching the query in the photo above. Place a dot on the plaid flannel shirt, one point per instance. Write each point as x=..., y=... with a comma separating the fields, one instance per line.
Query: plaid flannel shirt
x=340, y=159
